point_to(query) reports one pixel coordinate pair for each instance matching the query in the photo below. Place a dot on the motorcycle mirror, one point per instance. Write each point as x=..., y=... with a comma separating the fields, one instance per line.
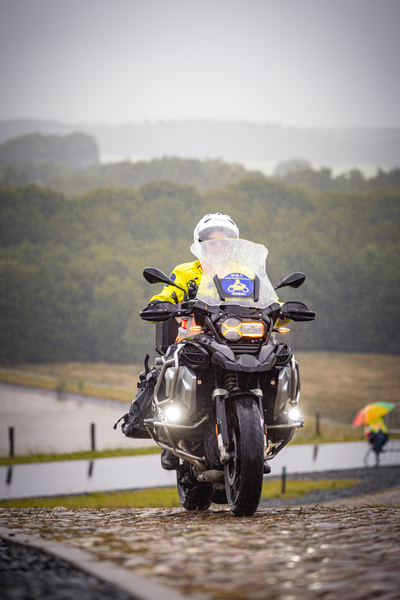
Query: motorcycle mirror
x=153, y=275
x=293, y=280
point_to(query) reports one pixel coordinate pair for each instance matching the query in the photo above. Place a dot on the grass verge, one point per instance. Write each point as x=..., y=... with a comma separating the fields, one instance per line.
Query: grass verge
x=329, y=433
x=168, y=497
x=89, y=455
x=301, y=487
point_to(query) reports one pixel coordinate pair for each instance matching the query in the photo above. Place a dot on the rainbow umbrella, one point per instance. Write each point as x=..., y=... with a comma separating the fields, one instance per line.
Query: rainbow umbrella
x=371, y=412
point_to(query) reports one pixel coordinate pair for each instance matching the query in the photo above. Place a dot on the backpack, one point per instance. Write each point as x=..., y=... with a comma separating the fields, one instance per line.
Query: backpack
x=133, y=425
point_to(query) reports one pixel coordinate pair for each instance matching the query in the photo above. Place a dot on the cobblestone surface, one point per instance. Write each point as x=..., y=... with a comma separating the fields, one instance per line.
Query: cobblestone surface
x=279, y=553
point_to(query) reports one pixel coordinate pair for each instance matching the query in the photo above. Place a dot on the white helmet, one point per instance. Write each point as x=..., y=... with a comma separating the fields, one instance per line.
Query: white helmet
x=215, y=222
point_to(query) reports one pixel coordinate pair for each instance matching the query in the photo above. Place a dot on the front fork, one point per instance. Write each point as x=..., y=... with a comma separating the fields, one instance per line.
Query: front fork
x=259, y=395
x=219, y=396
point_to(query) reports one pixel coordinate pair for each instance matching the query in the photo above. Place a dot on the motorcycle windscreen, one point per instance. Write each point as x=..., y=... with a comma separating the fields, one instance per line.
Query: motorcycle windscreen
x=234, y=273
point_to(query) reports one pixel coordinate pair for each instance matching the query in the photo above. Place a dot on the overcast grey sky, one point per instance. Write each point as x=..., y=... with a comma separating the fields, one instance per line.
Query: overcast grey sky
x=308, y=63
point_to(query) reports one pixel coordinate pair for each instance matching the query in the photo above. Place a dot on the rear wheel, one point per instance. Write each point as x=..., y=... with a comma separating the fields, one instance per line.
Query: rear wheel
x=245, y=469
x=193, y=495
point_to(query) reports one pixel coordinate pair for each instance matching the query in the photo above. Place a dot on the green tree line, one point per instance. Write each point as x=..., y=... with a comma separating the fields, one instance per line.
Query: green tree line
x=204, y=175
x=71, y=284
x=74, y=172
x=300, y=172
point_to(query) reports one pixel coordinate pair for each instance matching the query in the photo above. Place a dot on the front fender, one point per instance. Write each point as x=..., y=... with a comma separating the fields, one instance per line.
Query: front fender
x=245, y=362
x=223, y=356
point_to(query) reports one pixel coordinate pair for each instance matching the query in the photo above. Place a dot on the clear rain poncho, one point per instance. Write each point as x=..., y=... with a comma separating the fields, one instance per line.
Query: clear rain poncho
x=234, y=270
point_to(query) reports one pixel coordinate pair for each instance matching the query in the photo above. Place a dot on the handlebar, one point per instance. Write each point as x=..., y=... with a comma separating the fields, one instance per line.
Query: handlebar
x=159, y=312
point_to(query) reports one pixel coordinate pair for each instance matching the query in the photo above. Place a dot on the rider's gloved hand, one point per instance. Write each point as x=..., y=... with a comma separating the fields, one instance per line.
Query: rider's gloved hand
x=157, y=305
x=158, y=311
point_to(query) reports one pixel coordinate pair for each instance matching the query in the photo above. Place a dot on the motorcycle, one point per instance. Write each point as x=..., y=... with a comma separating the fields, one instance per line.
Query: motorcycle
x=226, y=397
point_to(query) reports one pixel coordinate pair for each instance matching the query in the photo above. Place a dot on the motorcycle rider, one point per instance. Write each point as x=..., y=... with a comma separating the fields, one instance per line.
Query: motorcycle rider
x=216, y=227
x=188, y=275
x=211, y=226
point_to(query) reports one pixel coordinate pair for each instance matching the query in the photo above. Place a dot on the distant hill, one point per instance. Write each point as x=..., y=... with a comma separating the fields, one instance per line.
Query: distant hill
x=228, y=140
x=74, y=150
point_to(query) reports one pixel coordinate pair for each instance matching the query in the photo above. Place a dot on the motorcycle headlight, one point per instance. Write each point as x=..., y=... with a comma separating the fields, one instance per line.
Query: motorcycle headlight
x=233, y=329
x=230, y=329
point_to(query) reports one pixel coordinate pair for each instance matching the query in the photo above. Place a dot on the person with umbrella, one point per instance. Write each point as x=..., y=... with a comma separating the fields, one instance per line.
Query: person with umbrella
x=376, y=432
x=371, y=416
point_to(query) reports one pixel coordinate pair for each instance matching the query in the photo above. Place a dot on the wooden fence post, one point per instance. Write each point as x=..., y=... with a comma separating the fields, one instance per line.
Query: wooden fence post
x=283, y=480
x=11, y=440
x=93, y=436
x=317, y=425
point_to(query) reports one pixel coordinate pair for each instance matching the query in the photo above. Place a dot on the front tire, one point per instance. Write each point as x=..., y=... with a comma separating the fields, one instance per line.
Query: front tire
x=245, y=469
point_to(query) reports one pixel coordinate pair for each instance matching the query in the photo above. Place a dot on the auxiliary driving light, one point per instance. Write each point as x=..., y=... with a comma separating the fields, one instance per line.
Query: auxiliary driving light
x=234, y=329
x=173, y=413
x=294, y=414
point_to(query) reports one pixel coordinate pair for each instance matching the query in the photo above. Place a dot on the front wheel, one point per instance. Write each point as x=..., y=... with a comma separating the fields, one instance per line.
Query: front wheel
x=245, y=469
x=193, y=496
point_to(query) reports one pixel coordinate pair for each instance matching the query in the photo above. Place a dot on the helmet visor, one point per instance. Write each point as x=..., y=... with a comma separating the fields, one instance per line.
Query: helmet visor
x=206, y=233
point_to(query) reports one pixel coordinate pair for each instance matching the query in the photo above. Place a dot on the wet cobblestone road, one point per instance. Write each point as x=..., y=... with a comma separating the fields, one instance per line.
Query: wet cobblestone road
x=279, y=553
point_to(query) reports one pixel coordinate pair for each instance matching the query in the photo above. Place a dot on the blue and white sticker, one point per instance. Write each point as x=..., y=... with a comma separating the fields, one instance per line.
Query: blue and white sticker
x=237, y=284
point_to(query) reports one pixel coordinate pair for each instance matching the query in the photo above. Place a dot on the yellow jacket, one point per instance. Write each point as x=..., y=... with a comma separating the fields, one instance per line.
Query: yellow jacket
x=183, y=275
x=376, y=426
